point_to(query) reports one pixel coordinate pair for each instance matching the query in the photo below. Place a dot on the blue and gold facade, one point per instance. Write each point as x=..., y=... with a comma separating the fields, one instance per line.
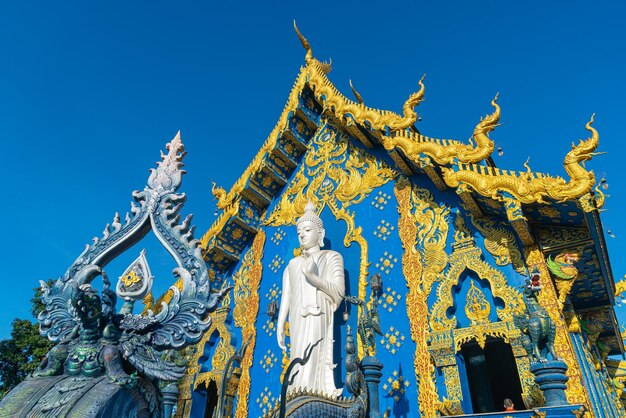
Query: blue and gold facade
x=453, y=239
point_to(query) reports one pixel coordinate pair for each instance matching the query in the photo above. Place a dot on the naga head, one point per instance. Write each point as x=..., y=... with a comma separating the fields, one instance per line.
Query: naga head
x=585, y=149
x=350, y=347
x=532, y=285
x=87, y=305
x=414, y=99
x=567, y=258
x=490, y=121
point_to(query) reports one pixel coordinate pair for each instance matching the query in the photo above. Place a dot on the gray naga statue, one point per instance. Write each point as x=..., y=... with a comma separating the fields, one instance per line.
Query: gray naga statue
x=116, y=364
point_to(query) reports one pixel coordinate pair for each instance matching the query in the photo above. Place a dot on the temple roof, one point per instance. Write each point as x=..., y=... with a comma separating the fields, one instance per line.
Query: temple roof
x=538, y=205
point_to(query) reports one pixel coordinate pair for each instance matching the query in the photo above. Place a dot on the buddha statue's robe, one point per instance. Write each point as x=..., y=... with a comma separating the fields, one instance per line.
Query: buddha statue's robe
x=311, y=313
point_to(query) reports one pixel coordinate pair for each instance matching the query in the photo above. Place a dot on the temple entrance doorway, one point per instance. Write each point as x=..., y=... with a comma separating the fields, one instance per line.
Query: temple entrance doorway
x=211, y=400
x=492, y=375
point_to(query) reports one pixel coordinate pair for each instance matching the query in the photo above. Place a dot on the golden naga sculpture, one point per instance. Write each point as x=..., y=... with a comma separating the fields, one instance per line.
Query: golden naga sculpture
x=446, y=151
x=529, y=187
x=314, y=75
x=332, y=100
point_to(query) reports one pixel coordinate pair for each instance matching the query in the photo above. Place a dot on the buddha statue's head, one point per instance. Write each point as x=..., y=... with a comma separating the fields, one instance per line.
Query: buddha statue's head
x=310, y=227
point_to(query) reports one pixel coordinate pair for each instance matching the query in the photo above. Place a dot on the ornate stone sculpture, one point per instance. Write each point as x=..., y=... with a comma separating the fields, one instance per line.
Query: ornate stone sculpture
x=536, y=324
x=109, y=363
x=313, y=287
x=539, y=332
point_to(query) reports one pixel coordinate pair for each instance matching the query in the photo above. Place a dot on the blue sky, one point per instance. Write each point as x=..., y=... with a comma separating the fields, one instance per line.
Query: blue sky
x=91, y=91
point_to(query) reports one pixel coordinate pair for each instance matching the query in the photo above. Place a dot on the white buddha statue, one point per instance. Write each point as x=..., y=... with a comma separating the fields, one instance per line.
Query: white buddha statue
x=313, y=288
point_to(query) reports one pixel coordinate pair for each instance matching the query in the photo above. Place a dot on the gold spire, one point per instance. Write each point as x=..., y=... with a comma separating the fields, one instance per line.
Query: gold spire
x=488, y=124
x=414, y=99
x=305, y=43
x=356, y=94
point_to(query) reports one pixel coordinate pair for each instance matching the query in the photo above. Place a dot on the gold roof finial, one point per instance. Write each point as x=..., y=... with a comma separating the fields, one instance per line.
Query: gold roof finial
x=585, y=149
x=356, y=94
x=486, y=125
x=527, y=166
x=413, y=100
x=489, y=122
x=305, y=43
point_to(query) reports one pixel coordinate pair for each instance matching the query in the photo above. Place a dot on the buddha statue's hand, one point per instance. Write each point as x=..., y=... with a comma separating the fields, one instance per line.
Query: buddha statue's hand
x=309, y=269
x=280, y=336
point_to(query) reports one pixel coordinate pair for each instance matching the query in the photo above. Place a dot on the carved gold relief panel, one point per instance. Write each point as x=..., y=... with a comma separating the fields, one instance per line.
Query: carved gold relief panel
x=467, y=256
x=421, y=220
x=246, y=294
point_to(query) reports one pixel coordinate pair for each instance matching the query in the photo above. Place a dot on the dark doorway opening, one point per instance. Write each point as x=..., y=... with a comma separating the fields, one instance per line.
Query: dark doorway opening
x=211, y=400
x=492, y=376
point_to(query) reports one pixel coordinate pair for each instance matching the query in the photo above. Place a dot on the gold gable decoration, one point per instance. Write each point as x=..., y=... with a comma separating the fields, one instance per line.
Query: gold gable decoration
x=467, y=256
x=531, y=187
x=446, y=151
x=333, y=100
x=457, y=160
x=499, y=242
x=247, y=300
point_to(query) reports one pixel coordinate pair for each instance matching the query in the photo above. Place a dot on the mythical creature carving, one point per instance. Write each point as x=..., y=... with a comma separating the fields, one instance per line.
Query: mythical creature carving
x=562, y=267
x=539, y=330
x=92, y=339
x=445, y=151
x=369, y=323
x=341, y=106
x=529, y=187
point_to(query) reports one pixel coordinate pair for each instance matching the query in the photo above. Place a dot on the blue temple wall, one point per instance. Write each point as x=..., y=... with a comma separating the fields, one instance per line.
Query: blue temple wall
x=377, y=216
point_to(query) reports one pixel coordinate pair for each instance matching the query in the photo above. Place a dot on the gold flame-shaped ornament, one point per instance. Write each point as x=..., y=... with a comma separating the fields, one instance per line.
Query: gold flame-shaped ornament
x=477, y=308
x=136, y=281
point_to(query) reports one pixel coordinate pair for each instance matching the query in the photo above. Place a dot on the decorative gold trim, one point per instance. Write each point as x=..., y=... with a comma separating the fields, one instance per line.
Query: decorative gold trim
x=466, y=255
x=477, y=308
x=530, y=187
x=247, y=301
x=531, y=394
x=421, y=219
x=221, y=353
x=504, y=330
x=538, y=414
x=340, y=106
x=575, y=392
x=231, y=209
x=444, y=151
x=500, y=242
x=452, y=381
x=327, y=94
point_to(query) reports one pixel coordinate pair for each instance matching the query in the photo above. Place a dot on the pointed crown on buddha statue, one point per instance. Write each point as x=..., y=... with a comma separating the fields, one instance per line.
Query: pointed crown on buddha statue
x=310, y=214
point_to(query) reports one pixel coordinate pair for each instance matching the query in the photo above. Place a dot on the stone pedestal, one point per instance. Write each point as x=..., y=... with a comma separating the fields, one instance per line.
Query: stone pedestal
x=170, y=398
x=372, y=371
x=551, y=378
